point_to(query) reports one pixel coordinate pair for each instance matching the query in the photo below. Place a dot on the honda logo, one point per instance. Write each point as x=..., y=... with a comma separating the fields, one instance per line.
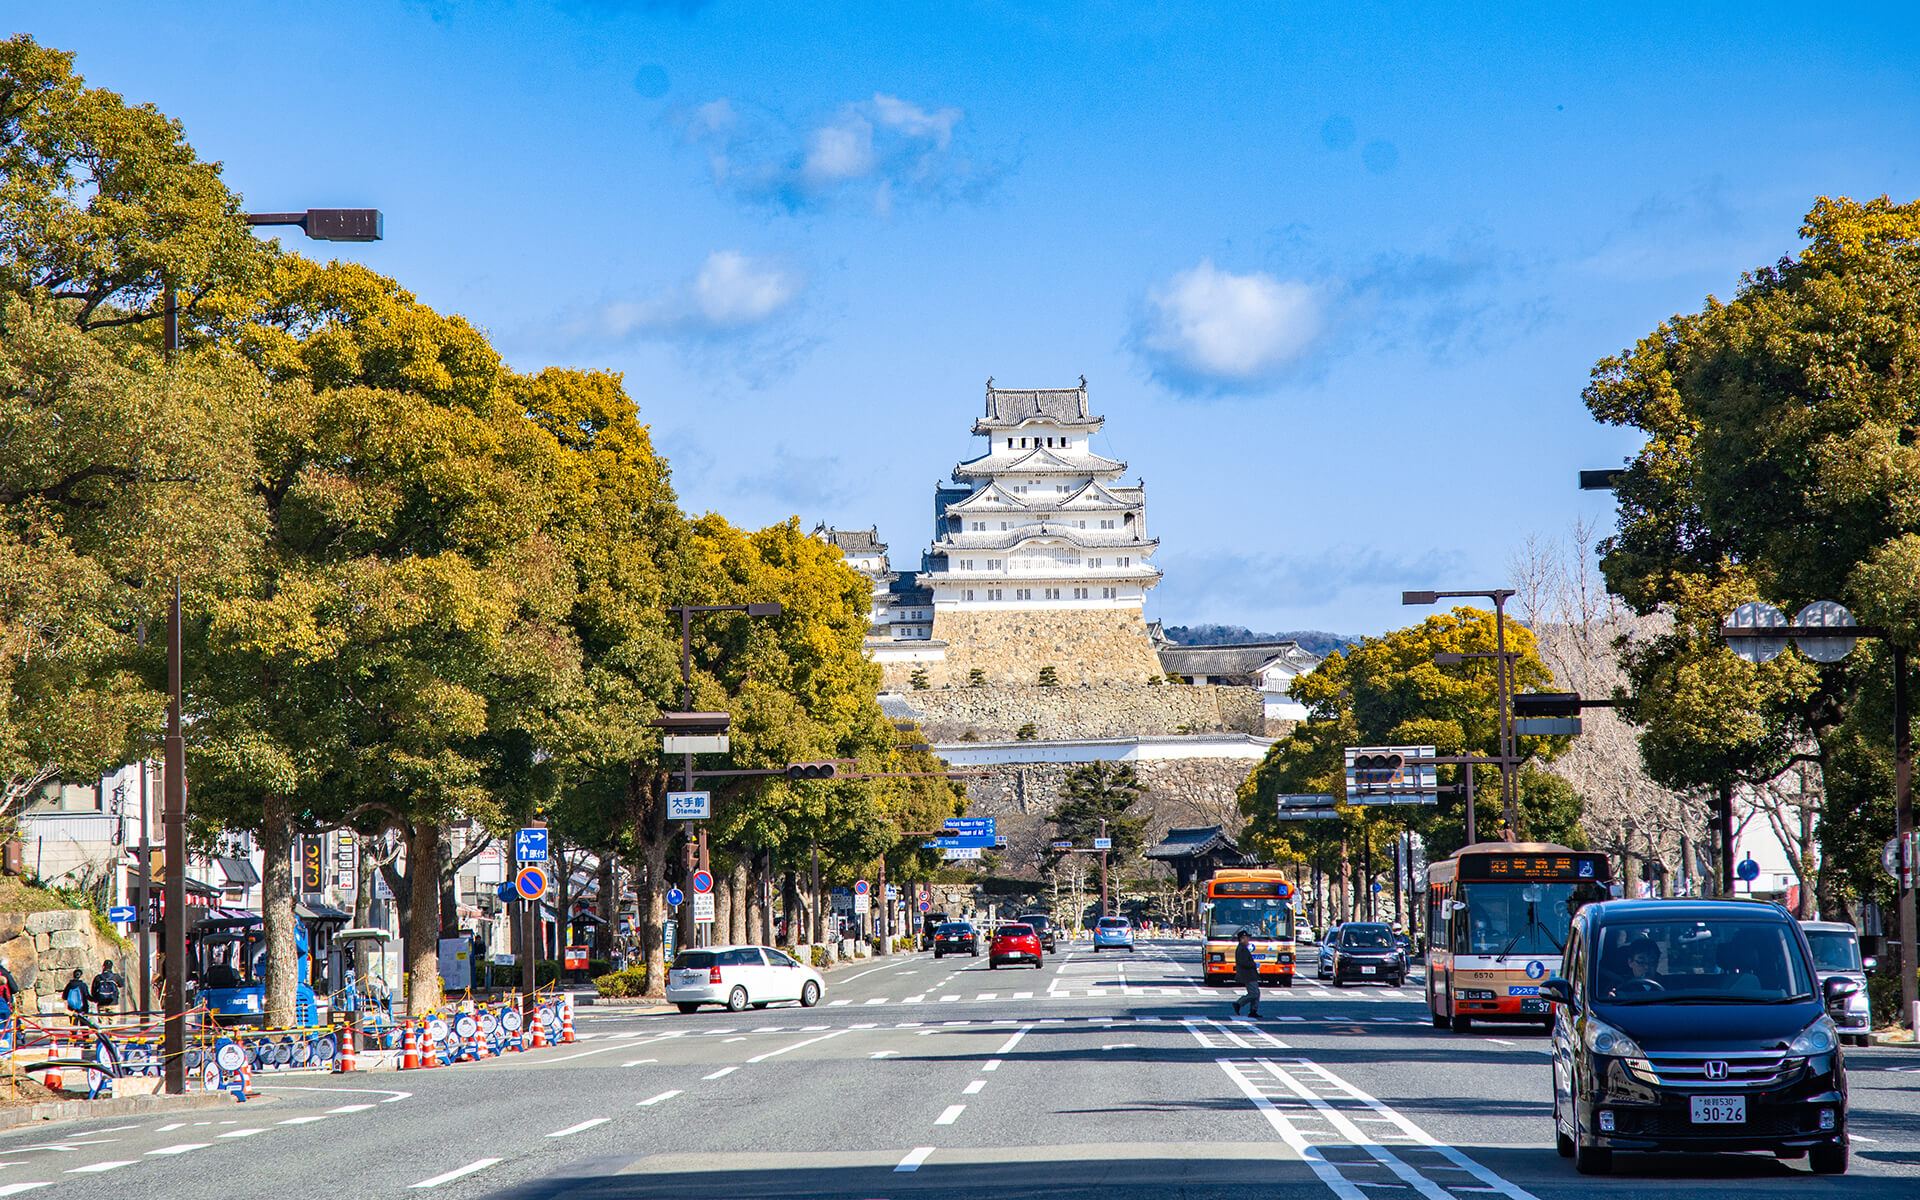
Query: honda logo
x=1715, y=1069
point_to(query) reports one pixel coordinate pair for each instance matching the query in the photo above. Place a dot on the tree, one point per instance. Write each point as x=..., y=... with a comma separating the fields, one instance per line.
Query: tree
x=103, y=204
x=1097, y=801
x=1778, y=465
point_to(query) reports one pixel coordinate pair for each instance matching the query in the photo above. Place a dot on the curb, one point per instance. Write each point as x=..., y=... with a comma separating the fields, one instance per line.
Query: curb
x=75, y=1110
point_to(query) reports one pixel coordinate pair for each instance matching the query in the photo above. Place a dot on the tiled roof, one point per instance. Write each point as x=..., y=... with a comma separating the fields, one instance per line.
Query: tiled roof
x=852, y=541
x=1087, y=539
x=1243, y=659
x=1195, y=840
x=1041, y=461
x=1009, y=407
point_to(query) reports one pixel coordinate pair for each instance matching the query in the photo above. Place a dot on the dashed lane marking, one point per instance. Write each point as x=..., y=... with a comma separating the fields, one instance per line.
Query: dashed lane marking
x=914, y=1158
x=182, y=1148
x=14, y=1189
x=992, y=1064
x=797, y=1045
x=582, y=1127
x=96, y=1168
x=722, y=1073
x=973, y=1089
x=650, y=1101
x=240, y=1133
x=480, y=1164
x=951, y=1114
x=350, y=1108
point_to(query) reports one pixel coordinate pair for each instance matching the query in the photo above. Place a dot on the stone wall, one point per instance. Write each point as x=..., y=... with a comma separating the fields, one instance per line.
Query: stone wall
x=1009, y=646
x=43, y=948
x=1180, y=791
x=992, y=714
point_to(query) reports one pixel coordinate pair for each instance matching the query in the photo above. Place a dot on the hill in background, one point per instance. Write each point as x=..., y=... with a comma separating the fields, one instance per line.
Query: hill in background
x=1315, y=640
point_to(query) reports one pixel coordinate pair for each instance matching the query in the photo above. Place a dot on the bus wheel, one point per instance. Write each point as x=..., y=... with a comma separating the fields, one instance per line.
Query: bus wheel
x=1439, y=1022
x=1461, y=1023
x=1286, y=981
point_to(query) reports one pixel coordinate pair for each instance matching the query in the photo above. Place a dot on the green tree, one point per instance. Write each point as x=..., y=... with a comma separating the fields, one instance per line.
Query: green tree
x=1098, y=800
x=1778, y=464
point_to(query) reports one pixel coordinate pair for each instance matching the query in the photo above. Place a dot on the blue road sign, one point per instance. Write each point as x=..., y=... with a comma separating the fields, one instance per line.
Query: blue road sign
x=702, y=882
x=1747, y=869
x=860, y=887
x=531, y=883
x=507, y=891
x=970, y=824
x=689, y=806
x=530, y=845
x=925, y=904
x=1103, y=843
x=981, y=841
x=675, y=896
x=124, y=913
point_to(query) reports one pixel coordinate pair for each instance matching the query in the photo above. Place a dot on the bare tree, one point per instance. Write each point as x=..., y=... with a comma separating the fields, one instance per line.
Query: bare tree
x=1789, y=805
x=1580, y=627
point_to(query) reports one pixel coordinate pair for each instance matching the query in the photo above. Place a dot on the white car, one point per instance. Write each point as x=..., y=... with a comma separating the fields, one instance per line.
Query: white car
x=739, y=977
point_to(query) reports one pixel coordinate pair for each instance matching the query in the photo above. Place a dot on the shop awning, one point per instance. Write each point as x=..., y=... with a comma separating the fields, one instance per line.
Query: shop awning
x=239, y=872
x=308, y=911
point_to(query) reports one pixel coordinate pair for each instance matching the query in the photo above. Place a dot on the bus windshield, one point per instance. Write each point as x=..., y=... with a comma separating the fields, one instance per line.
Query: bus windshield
x=1262, y=916
x=1520, y=918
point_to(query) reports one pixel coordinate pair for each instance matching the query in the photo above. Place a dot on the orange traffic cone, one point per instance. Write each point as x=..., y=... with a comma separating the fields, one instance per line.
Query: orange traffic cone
x=345, y=1062
x=539, y=1034
x=409, y=1049
x=566, y=1020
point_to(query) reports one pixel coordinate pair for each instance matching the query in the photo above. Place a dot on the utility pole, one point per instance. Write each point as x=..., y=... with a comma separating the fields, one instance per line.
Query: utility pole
x=1103, y=869
x=174, y=815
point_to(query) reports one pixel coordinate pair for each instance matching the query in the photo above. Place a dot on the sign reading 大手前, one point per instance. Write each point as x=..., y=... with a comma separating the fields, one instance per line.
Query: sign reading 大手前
x=530, y=845
x=689, y=806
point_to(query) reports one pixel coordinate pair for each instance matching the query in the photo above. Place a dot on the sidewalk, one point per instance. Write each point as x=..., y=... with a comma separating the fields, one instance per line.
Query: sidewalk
x=76, y=1110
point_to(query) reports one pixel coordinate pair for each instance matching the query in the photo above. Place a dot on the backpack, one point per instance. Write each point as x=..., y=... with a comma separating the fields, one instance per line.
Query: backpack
x=76, y=996
x=106, y=989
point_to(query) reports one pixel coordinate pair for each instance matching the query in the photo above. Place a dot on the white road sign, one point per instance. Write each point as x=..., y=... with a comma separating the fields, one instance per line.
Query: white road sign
x=953, y=852
x=689, y=806
x=703, y=906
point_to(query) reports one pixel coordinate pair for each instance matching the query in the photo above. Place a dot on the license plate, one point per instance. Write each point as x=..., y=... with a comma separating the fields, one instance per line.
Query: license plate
x=1366, y=970
x=1719, y=1110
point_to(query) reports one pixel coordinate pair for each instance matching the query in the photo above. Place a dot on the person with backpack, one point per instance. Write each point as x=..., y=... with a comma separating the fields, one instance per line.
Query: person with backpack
x=107, y=988
x=76, y=995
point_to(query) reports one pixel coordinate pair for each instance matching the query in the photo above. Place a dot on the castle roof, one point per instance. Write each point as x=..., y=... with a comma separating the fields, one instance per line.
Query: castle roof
x=1047, y=531
x=1243, y=660
x=1039, y=461
x=1192, y=841
x=1009, y=408
x=852, y=541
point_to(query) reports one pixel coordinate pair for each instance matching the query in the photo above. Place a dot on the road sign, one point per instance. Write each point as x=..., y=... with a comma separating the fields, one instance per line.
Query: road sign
x=1383, y=775
x=984, y=841
x=925, y=904
x=1747, y=869
x=1303, y=806
x=507, y=891
x=702, y=882
x=675, y=897
x=860, y=887
x=1819, y=648
x=703, y=907
x=1545, y=726
x=531, y=883
x=862, y=903
x=1379, y=886
x=689, y=806
x=951, y=853
x=970, y=824
x=687, y=743
x=123, y=913
x=530, y=845
x=1103, y=843
x=1063, y=845
x=1755, y=615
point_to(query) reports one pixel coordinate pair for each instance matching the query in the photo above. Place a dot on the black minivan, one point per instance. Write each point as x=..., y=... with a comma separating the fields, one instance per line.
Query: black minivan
x=1695, y=1025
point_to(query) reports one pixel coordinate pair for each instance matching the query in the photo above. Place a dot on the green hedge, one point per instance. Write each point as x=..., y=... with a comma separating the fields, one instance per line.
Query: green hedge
x=1883, y=1001
x=620, y=985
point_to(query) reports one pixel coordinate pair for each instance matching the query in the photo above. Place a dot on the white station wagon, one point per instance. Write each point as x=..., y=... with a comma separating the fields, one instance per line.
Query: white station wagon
x=740, y=977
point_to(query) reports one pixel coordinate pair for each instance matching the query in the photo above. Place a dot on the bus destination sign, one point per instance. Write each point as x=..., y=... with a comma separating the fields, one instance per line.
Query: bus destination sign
x=1251, y=887
x=1534, y=866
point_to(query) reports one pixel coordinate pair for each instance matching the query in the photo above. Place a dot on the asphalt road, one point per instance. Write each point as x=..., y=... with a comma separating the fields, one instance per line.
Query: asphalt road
x=1113, y=1076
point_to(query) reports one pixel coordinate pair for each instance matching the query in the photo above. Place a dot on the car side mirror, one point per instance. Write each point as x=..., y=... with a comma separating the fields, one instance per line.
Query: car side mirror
x=1869, y=963
x=1559, y=991
x=1839, y=990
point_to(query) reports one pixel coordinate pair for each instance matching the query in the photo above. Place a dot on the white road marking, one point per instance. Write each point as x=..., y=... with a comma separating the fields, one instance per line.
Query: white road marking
x=480, y=1164
x=797, y=1045
x=182, y=1148
x=639, y=1062
x=14, y=1189
x=614, y=1046
x=865, y=1025
x=914, y=1158
x=837, y=1003
x=948, y=999
x=235, y=1133
x=883, y=1054
x=1023, y=995
x=951, y=1115
x=973, y=1089
x=301, y=1120
x=915, y=1000
x=988, y=996
x=1007, y=1046
x=878, y=1000
x=570, y=1130
x=350, y=1108
x=96, y=1168
x=169, y=1128
x=653, y=1100
x=722, y=1073
x=992, y=1064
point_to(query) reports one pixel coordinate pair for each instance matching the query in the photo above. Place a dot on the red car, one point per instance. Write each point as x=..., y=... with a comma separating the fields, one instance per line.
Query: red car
x=1014, y=943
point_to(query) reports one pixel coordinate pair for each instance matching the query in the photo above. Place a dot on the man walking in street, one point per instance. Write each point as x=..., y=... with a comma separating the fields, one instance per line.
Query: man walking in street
x=108, y=988
x=1246, y=972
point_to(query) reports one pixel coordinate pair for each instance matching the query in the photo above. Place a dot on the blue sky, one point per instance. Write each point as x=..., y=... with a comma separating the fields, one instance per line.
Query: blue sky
x=1335, y=277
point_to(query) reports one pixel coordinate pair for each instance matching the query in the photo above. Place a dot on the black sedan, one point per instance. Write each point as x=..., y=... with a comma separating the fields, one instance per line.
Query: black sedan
x=955, y=937
x=1364, y=952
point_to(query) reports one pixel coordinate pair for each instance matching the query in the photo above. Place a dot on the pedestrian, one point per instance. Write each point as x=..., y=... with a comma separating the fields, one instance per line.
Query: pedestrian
x=108, y=988
x=75, y=994
x=1246, y=972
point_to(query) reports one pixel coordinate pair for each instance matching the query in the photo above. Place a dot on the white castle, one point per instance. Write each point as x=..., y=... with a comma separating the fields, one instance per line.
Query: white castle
x=1039, y=521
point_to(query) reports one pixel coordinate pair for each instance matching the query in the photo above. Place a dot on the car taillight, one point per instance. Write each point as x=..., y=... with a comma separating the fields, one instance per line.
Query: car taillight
x=713, y=976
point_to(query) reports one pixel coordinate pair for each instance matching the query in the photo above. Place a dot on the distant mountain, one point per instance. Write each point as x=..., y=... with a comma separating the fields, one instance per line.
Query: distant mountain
x=1315, y=640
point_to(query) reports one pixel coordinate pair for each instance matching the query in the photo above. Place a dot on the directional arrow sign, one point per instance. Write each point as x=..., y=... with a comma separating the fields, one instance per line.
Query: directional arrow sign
x=675, y=896
x=122, y=913
x=530, y=845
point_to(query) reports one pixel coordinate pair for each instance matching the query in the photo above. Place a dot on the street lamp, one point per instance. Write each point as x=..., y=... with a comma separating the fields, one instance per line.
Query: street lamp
x=1509, y=800
x=319, y=224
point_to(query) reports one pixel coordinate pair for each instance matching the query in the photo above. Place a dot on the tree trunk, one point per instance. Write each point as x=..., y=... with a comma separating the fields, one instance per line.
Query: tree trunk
x=363, y=907
x=741, y=930
x=282, y=975
x=608, y=910
x=423, y=920
x=790, y=908
x=722, y=907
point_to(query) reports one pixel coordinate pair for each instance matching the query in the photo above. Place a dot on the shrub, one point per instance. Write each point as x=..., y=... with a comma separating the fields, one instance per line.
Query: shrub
x=1155, y=681
x=1883, y=1001
x=621, y=984
x=976, y=678
x=1028, y=732
x=918, y=679
x=1049, y=677
x=545, y=971
x=820, y=957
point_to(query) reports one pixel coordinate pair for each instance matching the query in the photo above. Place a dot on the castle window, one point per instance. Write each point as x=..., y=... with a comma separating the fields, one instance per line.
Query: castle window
x=1083, y=524
x=969, y=593
x=1079, y=593
x=1124, y=561
x=1106, y=524
x=966, y=564
x=1003, y=524
x=1109, y=593
x=1023, y=594
x=993, y=593
x=1053, y=593
x=1093, y=562
x=993, y=564
x=1009, y=443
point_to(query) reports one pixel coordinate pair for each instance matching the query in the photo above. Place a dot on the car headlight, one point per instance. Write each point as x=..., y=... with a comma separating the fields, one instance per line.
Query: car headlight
x=1817, y=1038
x=1603, y=1038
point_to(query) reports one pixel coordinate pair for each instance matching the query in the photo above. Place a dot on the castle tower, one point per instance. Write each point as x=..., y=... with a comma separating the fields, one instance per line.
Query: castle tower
x=1040, y=556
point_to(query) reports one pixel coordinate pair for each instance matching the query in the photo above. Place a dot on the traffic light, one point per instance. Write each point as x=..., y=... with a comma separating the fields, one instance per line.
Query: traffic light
x=1378, y=762
x=1546, y=704
x=814, y=770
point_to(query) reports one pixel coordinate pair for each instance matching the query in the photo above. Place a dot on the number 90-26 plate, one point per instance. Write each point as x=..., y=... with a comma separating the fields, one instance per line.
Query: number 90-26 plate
x=1719, y=1110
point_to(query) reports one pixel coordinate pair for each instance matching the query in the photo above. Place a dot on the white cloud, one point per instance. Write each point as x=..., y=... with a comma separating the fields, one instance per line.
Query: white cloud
x=1205, y=327
x=878, y=151
x=732, y=293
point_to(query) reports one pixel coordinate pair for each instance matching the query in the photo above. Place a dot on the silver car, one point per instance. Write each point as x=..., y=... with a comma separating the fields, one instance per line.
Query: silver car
x=1836, y=955
x=740, y=977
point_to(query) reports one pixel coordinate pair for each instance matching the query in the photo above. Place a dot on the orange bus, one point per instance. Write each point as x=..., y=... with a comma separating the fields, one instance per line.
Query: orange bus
x=1260, y=902
x=1497, y=918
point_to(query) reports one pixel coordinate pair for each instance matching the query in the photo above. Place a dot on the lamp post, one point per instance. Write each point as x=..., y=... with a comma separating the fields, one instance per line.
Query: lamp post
x=687, y=613
x=319, y=224
x=1509, y=799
